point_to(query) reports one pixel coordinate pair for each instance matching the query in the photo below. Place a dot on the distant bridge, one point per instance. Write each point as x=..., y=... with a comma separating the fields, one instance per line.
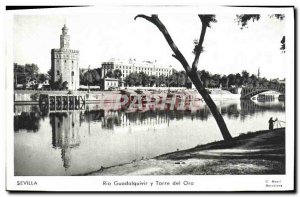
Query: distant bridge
x=247, y=93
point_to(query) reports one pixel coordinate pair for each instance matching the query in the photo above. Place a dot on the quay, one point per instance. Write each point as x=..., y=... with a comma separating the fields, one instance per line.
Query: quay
x=60, y=102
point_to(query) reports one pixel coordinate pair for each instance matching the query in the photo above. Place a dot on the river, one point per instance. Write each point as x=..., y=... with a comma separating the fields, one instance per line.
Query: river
x=81, y=141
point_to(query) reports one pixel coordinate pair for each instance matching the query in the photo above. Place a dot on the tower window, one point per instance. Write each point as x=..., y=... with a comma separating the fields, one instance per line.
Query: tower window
x=57, y=72
x=72, y=73
x=72, y=61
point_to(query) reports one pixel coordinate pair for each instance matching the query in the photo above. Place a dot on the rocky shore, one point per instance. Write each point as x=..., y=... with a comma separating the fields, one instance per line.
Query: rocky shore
x=261, y=152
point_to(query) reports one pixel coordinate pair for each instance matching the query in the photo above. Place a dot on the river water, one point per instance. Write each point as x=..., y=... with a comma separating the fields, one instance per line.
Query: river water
x=82, y=141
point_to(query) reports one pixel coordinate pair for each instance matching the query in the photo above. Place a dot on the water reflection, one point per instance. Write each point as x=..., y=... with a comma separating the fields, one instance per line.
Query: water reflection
x=65, y=133
x=70, y=129
x=28, y=117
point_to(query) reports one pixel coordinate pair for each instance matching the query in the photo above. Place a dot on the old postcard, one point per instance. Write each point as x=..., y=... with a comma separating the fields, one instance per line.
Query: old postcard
x=150, y=98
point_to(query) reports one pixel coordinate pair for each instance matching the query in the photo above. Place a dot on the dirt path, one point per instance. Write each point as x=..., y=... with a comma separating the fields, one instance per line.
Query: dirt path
x=262, y=152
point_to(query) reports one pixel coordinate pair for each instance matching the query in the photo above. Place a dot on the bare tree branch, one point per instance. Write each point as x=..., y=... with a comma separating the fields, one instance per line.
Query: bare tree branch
x=199, y=47
x=193, y=75
x=177, y=54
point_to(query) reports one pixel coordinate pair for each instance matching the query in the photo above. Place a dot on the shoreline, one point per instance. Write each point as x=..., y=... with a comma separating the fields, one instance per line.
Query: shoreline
x=261, y=152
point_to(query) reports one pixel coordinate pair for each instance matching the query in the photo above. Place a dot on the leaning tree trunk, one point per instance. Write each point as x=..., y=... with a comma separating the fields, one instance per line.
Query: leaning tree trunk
x=211, y=104
x=192, y=71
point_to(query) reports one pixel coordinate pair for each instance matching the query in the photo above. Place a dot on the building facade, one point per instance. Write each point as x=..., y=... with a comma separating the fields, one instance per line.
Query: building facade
x=65, y=62
x=109, y=84
x=127, y=67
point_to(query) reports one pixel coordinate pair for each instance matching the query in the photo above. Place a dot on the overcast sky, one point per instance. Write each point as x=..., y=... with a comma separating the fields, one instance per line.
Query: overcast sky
x=99, y=37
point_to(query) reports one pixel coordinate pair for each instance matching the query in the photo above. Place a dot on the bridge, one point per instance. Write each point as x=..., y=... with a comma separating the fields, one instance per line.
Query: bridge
x=247, y=93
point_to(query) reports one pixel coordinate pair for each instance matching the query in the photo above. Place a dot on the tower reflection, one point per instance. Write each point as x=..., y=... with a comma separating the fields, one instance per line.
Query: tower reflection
x=65, y=133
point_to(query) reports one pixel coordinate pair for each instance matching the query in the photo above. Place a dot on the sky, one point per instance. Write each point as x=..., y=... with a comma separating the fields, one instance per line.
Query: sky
x=100, y=37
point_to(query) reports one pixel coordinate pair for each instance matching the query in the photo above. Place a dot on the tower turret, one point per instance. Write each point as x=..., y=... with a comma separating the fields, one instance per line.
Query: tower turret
x=65, y=62
x=64, y=38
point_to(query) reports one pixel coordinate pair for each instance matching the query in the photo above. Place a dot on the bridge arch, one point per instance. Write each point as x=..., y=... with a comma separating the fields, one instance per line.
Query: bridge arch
x=247, y=93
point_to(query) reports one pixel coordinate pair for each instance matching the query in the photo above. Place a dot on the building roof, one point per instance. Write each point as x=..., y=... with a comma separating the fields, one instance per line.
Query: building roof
x=134, y=62
x=111, y=79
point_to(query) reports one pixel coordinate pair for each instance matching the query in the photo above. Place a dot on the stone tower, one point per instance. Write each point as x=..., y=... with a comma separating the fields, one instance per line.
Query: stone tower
x=65, y=62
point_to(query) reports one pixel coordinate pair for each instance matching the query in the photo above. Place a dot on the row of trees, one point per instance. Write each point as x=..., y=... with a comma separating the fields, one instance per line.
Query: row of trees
x=177, y=79
x=180, y=79
x=29, y=72
x=90, y=77
x=93, y=76
x=237, y=80
x=24, y=74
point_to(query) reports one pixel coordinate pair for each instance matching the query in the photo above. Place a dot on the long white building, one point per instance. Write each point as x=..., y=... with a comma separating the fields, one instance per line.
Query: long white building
x=131, y=65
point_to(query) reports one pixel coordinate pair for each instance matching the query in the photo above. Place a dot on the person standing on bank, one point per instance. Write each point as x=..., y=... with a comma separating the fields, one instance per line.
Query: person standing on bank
x=271, y=123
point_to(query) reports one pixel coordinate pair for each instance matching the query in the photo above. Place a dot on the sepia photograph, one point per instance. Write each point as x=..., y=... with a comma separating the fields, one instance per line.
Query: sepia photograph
x=151, y=97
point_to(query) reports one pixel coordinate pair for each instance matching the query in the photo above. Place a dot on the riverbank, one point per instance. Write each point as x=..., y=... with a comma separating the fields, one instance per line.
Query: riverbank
x=261, y=152
x=31, y=97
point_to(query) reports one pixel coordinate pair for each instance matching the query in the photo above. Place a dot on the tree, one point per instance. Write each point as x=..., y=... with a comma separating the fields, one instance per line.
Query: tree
x=224, y=81
x=144, y=78
x=117, y=73
x=215, y=80
x=245, y=76
x=153, y=79
x=31, y=70
x=56, y=85
x=253, y=80
x=238, y=80
x=89, y=77
x=181, y=79
x=109, y=74
x=42, y=78
x=161, y=80
x=243, y=19
x=64, y=85
x=133, y=79
x=96, y=77
x=19, y=74
x=282, y=47
x=191, y=71
x=204, y=77
x=82, y=78
x=50, y=75
x=22, y=73
x=231, y=79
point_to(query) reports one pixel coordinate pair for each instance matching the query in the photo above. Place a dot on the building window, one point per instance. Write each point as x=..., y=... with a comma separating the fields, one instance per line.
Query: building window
x=57, y=72
x=72, y=73
x=72, y=61
x=65, y=61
